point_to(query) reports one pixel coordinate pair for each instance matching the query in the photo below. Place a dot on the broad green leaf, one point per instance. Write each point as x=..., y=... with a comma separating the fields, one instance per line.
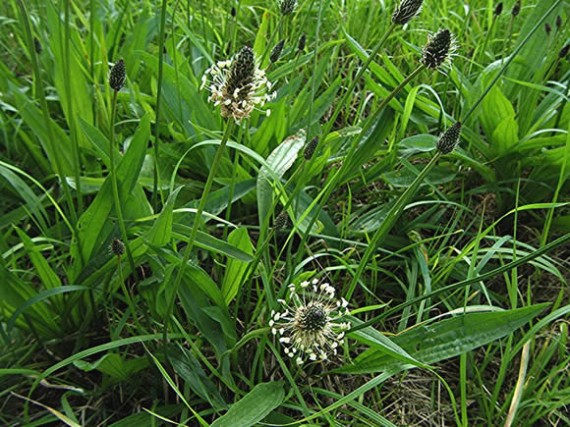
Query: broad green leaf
x=33, y=202
x=381, y=343
x=16, y=294
x=82, y=106
x=254, y=406
x=431, y=343
x=318, y=106
x=95, y=225
x=305, y=213
x=417, y=144
x=102, y=348
x=498, y=120
x=212, y=244
x=278, y=162
x=188, y=367
x=260, y=43
x=46, y=274
x=42, y=297
x=505, y=135
x=99, y=142
x=161, y=231
x=272, y=128
x=182, y=101
x=236, y=269
x=114, y=365
x=374, y=67
x=218, y=200
x=57, y=150
x=405, y=176
x=208, y=318
x=198, y=278
x=373, y=142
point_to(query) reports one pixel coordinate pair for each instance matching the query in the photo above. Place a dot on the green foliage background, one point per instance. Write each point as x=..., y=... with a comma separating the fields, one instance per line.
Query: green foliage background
x=456, y=267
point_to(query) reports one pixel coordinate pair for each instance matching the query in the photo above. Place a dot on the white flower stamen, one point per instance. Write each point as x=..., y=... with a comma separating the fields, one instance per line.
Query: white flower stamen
x=310, y=322
x=238, y=85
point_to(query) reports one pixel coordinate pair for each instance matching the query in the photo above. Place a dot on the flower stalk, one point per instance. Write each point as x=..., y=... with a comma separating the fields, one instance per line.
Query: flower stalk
x=197, y=220
x=117, y=78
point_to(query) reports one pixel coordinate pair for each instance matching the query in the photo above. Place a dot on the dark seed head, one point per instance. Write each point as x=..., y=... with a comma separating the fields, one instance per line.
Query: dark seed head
x=37, y=45
x=498, y=9
x=233, y=12
x=406, y=11
x=117, y=247
x=547, y=28
x=437, y=50
x=564, y=51
x=313, y=318
x=516, y=8
x=117, y=76
x=276, y=52
x=310, y=148
x=302, y=42
x=558, y=22
x=241, y=72
x=281, y=221
x=449, y=139
x=287, y=7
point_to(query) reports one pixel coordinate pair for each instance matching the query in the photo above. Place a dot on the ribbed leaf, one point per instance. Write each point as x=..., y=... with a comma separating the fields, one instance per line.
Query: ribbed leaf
x=278, y=162
x=94, y=225
x=236, y=269
x=254, y=406
x=161, y=231
x=447, y=338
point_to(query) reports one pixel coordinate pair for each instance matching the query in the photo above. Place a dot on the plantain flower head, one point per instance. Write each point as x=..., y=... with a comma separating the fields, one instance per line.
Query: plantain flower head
x=406, y=11
x=450, y=139
x=287, y=7
x=237, y=85
x=439, y=49
x=117, y=75
x=310, y=326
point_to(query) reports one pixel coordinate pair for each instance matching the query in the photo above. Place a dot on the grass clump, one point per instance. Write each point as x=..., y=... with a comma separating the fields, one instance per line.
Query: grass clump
x=284, y=212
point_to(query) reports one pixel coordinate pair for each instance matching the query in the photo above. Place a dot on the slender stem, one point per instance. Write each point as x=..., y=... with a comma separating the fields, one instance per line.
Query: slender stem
x=71, y=114
x=232, y=189
x=128, y=296
x=197, y=220
x=115, y=185
x=508, y=40
x=233, y=41
x=92, y=56
x=155, y=188
x=331, y=185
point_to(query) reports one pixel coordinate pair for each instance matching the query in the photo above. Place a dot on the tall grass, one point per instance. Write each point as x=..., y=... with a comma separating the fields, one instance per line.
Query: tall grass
x=423, y=189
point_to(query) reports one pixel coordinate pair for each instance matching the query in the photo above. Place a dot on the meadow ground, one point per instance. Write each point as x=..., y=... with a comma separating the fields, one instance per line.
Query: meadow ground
x=280, y=212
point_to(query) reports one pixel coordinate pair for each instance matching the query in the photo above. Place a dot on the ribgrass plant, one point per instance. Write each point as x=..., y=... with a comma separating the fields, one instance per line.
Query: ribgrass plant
x=117, y=77
x=428, y=197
